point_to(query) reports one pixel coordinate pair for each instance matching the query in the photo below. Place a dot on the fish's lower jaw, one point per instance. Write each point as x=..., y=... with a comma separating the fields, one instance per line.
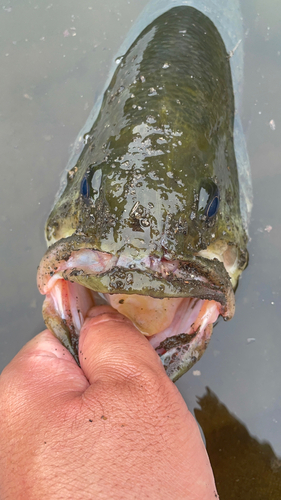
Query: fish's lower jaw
x=178, y=360
x=179, y=345
x=58, y=326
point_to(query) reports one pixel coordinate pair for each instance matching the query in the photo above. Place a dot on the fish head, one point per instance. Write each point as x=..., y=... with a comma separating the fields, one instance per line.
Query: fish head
x=149, y=219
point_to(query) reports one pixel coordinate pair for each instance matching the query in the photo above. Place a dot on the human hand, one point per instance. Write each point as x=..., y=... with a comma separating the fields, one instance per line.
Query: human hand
x=116, y=428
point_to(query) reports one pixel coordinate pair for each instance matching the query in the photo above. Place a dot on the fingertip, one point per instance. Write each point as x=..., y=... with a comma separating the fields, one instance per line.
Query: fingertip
x=100, y=310
x=111, y=347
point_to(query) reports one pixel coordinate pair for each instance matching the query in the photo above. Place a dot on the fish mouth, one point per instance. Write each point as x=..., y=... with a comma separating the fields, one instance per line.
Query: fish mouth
x=173, y=303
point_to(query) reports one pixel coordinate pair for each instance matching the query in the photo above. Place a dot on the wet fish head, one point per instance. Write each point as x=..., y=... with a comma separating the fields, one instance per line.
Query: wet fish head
x=156, y=185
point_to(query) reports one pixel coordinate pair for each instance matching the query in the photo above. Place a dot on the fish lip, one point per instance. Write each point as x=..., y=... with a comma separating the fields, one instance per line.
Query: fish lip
x=149, y=283
x=214, y=285
x=179, y=359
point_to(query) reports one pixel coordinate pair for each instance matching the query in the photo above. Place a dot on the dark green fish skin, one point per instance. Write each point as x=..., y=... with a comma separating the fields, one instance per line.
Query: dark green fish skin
x=165, y=128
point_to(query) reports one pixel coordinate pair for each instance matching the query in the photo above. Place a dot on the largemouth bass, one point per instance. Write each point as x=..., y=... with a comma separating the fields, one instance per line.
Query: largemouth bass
x=152, y=217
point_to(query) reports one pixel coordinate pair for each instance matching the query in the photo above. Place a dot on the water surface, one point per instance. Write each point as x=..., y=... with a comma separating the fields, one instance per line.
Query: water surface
x=54, y=59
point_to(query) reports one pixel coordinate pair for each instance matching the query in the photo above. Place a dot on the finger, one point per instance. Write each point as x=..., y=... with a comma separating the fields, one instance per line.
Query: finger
x=44, y=362
x=111, y=347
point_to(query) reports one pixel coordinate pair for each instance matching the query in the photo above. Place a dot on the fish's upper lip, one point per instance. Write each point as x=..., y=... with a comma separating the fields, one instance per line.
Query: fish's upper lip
x=199, y=276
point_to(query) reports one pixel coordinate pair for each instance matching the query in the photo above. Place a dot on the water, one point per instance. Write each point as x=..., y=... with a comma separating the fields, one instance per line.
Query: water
x=54, y=62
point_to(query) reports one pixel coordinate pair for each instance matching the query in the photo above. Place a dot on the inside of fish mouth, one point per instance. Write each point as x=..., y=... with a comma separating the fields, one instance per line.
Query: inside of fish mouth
x=166, y=322
x=67, y=305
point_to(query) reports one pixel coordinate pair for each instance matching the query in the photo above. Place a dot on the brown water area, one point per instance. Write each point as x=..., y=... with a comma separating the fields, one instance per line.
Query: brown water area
x=244, y=467
x=55, y=58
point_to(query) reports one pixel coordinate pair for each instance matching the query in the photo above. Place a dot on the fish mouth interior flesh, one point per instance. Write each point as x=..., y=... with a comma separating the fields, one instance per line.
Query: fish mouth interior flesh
x=173, y=303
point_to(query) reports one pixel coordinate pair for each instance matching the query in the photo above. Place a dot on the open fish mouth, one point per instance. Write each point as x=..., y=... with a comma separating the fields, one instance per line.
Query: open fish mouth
x=173, y=303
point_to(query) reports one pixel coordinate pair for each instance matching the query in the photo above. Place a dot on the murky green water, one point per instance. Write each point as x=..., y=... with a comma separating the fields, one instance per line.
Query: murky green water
x=54, y=60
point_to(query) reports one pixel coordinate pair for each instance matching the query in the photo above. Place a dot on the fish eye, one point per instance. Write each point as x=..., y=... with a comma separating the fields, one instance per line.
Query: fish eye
x=84, y=188
x=213, y=206
x=209, y=199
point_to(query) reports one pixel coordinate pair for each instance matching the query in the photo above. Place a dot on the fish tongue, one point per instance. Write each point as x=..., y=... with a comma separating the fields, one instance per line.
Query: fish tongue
x=148, y=314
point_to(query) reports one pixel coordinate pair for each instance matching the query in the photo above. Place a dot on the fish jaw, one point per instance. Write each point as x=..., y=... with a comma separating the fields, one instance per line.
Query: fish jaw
x=173, y=304
x=66, y=306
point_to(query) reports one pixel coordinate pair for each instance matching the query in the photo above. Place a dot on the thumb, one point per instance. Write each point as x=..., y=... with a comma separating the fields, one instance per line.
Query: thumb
x=128, y=381
x=111, y=348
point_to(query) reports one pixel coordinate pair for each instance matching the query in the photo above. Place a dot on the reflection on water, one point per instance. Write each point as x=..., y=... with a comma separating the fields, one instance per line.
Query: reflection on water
x=51, y=75
x=244, y=467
